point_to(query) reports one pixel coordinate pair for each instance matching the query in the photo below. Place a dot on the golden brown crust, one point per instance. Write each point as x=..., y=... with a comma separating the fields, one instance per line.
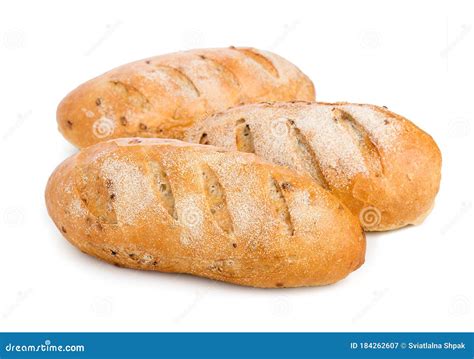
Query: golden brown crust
x=163, y=95
x=171, y=206
x=383, y=167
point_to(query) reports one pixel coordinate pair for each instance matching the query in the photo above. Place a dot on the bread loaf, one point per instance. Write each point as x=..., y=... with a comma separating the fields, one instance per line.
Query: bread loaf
x=171, y=206
x=163, y=95
x=382, y=167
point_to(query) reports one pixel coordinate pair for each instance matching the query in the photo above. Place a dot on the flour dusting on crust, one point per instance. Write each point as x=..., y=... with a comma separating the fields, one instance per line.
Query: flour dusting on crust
x=133, y=193
x=330, y=145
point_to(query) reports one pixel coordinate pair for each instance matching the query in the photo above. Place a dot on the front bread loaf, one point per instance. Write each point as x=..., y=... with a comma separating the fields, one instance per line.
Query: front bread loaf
x=172, y=206
x=163, y=95
x=383, y=167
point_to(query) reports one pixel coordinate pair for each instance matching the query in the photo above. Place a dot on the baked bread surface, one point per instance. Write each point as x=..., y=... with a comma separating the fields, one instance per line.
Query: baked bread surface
x=172, y=206
x=161, y=96
x=384, y=169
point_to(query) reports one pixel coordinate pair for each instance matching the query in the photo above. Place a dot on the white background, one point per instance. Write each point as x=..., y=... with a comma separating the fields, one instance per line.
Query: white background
x=416, y=58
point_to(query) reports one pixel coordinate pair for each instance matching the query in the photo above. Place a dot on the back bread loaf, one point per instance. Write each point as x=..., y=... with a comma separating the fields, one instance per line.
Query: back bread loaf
x=163, y=95
x=172, y=206
x=383, y=167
